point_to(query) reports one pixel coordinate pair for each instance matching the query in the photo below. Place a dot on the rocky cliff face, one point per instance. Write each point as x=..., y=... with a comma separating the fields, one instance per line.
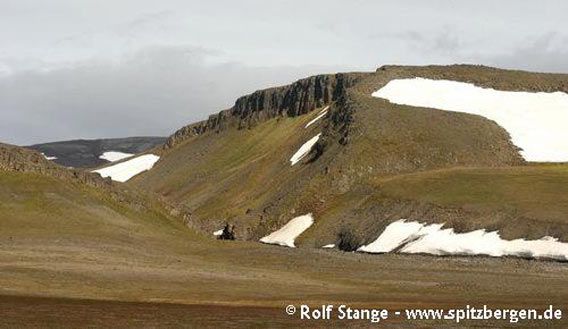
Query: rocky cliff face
x=292, y=100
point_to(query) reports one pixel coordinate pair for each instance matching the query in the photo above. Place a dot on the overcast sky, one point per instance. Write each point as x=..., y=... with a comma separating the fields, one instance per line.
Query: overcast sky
x=92, y=69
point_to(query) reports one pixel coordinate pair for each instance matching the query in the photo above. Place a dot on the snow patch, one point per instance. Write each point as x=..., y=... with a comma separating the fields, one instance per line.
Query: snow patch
x=218, y=233
x=286, y=235
x=121, y=172
x=414, y=237
x=394, y=235
x=49, y=157
x=328, y=246
x=320, y=115
x=304, y=150
x=113, y=156
x=535, y=121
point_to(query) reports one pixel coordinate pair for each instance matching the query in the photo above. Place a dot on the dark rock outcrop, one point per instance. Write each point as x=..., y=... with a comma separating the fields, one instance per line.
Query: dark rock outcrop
x=86, y=153
x=292, y=100
x=17, y=159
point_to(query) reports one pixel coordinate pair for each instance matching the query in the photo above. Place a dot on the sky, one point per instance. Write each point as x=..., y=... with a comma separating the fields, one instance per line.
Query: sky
x=74, y=69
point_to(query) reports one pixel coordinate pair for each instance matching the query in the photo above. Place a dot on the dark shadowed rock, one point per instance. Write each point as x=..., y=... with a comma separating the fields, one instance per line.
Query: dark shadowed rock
x=291, y=100
x=86, y=153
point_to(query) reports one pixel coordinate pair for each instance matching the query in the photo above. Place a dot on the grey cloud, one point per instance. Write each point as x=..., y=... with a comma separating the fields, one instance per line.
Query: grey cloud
x=545, y=53
x=443, y=41
x=80, y=83
x=151, y=92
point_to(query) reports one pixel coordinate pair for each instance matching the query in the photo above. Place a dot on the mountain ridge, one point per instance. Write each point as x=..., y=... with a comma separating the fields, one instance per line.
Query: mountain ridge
x=290, y=100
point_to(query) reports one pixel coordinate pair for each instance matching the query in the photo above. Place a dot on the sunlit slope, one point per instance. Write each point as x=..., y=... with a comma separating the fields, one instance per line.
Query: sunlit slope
x=45, y=213
x=234, y=175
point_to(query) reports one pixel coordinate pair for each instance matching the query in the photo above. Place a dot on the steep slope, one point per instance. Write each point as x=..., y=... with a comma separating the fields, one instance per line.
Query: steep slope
x=236, y=166
x=97, y=152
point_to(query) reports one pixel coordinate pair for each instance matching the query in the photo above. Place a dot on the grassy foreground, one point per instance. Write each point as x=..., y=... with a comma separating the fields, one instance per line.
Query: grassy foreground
x=84, y=253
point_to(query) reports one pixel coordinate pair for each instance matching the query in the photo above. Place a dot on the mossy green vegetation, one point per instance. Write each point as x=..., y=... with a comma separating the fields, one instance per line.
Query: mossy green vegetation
x=532, y=190
x=35, y=206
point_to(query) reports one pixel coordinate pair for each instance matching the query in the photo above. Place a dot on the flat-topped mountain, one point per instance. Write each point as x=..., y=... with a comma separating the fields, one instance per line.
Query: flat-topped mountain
x=329, y=146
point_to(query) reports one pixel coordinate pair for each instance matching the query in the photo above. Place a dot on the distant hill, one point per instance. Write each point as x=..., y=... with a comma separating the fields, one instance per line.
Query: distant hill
x=87, y=153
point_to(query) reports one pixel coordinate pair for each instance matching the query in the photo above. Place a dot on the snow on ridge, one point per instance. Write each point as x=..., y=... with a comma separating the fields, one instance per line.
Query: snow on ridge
x=288, y=233
x=320, y=115
x=535, y=120
x=122, y=172
x=414, y=237
x=113, y=156
x=304, y=150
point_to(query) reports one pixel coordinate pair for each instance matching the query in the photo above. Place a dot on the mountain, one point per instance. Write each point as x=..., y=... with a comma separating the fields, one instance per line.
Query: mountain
x=317, y=167
x=372, y=162
x=97, y=152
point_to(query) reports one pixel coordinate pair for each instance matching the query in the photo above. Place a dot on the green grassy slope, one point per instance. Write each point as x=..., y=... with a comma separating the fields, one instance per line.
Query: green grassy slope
x=234, y=175
x=35, y=208
x=520, y=202
x=536, y=190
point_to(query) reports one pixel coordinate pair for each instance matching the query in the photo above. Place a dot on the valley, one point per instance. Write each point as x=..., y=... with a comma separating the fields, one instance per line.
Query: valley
x=317, y=171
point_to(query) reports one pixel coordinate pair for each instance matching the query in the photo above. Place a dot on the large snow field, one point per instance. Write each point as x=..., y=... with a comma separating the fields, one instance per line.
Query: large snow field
x=414, y=237
x=121, y=172
x=535, y=121
x=288, y=233
x=113, y=156
x=321, y=114
x=304, y=150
